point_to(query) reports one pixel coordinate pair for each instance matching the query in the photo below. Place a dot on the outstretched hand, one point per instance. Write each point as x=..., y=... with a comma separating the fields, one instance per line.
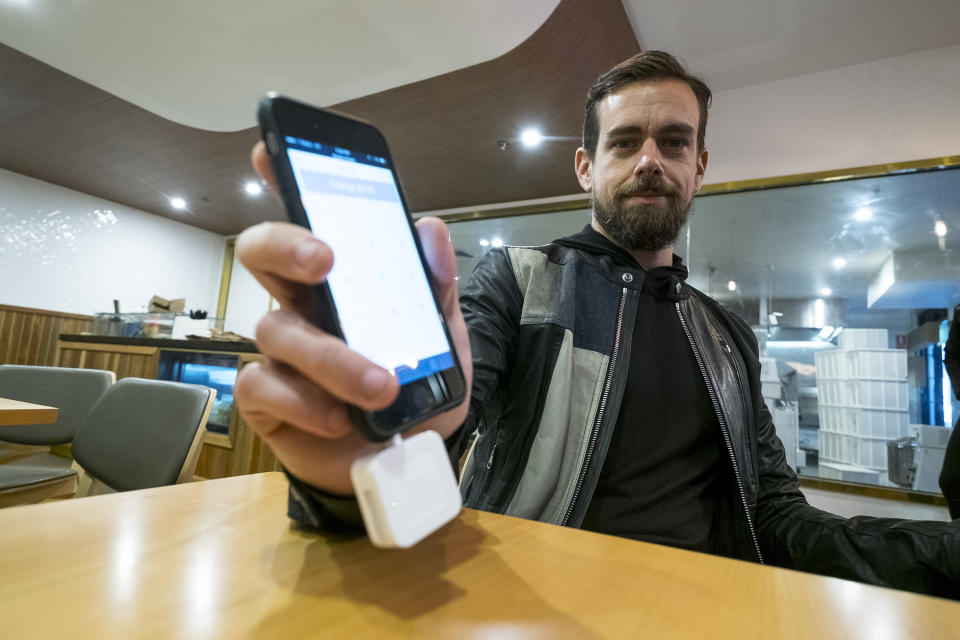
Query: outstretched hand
x=296, y=398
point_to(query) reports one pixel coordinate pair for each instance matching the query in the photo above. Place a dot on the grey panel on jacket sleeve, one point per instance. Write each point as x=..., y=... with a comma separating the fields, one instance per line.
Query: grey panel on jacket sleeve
x=562, y=435
x=539, y=299
x=567, y=293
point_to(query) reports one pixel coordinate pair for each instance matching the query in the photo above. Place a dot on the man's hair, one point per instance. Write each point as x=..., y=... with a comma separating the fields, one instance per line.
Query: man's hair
x=643, y=67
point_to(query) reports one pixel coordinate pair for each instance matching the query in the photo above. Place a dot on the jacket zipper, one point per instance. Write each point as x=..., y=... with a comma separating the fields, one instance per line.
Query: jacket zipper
x=595, y=434
x=723, y=429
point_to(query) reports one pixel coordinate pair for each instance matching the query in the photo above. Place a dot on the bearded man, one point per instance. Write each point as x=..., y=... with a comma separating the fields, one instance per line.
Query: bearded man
x=607, y=393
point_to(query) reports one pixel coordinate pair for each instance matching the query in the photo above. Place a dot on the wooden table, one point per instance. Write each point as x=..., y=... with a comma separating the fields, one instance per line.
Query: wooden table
x=220, y=559
x=16, y=412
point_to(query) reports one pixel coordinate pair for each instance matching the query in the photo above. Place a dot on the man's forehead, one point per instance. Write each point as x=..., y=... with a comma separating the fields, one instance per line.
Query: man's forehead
x=651, y=101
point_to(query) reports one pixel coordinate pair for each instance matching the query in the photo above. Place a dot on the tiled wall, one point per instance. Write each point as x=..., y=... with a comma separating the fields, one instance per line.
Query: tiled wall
x=62, y=250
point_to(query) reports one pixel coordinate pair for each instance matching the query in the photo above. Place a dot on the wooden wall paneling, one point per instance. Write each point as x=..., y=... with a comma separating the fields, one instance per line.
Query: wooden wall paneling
x=125, y=361
x=30, y=336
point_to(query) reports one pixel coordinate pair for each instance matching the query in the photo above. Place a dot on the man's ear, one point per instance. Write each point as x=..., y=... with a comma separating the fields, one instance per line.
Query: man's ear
x=582, y=165
x=701, y=169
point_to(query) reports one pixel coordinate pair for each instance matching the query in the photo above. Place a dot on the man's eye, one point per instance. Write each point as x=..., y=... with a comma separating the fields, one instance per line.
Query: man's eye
x=623, y=144
x=676, y=143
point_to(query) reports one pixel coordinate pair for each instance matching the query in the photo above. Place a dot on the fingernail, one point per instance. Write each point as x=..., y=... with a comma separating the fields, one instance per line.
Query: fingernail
x=307, y=252
x=374, y=382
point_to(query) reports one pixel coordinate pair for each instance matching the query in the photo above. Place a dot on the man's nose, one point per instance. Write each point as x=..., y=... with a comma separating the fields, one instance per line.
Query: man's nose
x=648, y=160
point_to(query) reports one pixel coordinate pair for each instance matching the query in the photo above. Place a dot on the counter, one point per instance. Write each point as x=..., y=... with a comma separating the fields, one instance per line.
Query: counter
x=164, y=343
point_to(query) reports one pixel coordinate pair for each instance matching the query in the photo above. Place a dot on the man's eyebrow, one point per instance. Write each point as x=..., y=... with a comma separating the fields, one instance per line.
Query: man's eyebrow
x=678, y=128
x=674, y=128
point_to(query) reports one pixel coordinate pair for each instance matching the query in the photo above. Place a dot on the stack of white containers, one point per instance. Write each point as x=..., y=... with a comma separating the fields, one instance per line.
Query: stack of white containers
x=785, y=414
x=863, y=403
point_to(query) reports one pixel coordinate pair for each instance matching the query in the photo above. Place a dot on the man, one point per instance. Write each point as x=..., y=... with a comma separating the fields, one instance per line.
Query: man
x=606, y=392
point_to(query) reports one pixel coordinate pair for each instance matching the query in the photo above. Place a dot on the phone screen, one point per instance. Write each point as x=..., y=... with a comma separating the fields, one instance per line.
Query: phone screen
x=353, y=204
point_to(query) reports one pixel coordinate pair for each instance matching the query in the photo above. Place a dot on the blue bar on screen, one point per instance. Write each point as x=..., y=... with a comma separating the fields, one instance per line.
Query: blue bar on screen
x=424, y=368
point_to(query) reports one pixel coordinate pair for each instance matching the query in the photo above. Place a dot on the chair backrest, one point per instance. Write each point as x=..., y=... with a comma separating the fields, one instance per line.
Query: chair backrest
x=72, y=391
x=144, y=433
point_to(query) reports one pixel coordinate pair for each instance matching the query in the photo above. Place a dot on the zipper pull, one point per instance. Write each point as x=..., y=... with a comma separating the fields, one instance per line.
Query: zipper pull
x=492, y=451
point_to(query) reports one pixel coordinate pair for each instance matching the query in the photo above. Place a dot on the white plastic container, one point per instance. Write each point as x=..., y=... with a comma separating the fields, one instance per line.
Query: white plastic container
x=863, y=339
x=829, y=364
x=869, y=364
x=847, y=472
x=863, y=451
x=890, y=395
x=865, y=422
x=876, y=364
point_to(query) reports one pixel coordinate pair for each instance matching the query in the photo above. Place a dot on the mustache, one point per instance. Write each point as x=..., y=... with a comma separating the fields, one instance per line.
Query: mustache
x=653, y=184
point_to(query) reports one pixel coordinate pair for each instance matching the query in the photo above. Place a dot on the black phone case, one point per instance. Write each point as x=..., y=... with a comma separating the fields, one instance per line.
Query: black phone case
x=321, y=310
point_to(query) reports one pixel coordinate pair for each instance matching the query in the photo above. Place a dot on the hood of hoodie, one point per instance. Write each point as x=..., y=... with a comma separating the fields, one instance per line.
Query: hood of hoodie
x=660, y=281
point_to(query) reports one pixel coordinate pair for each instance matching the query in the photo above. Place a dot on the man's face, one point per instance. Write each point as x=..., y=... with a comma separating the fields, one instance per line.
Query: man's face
x=646, y=168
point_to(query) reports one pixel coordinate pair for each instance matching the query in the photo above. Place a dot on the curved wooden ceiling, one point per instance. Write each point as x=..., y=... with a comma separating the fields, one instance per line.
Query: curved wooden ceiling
x=443, y=131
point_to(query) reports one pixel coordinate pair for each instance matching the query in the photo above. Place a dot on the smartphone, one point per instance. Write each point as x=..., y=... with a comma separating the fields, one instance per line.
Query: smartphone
x=337, y=178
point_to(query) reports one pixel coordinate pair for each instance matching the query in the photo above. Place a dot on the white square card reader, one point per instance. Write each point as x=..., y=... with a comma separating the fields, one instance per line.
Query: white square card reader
x=406, y=491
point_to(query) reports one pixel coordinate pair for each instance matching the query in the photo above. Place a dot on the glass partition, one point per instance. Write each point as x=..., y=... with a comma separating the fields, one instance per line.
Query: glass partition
x=849, y=285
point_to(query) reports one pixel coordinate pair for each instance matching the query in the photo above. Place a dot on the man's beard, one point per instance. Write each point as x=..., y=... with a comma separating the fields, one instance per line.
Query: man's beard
x=643, y=227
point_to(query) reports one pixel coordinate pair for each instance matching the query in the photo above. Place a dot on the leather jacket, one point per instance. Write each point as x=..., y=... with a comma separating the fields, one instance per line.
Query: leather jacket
x=550, y=331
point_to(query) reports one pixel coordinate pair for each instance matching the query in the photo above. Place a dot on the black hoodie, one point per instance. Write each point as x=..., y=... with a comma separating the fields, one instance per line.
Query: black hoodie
x=659, y=481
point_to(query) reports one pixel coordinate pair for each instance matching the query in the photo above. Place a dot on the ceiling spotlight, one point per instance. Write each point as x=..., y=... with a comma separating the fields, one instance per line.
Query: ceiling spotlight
x=863, y=214
x=732, y=286
x=826, y=291
x=940, y=228
x=178, y=203
x=484, y=243
x=497, y=242
x=839, y=263
x=253, y=188
x=531, y=137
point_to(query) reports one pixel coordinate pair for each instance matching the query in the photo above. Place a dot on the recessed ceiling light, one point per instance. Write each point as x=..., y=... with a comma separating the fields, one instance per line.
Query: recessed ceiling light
x=863, y=214
x=940, y=228
x=732, y=286
x=178, y=203
x=253, y=188
x=497, y=242
x=839, y=263
x=484, y=243
x=531, y=137
x=826, y=291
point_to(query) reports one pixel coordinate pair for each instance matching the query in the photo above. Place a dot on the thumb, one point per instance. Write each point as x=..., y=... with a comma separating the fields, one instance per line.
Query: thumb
x=438, y=250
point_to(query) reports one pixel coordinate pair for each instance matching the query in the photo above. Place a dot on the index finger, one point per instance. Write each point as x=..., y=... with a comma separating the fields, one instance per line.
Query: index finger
x=281, y=253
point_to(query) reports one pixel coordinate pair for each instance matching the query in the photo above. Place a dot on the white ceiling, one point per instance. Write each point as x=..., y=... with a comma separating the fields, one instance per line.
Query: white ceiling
x=735, y=43
x=205, y=64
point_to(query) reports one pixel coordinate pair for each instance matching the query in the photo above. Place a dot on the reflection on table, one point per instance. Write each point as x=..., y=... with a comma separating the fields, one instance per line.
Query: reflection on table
x=220, y=559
